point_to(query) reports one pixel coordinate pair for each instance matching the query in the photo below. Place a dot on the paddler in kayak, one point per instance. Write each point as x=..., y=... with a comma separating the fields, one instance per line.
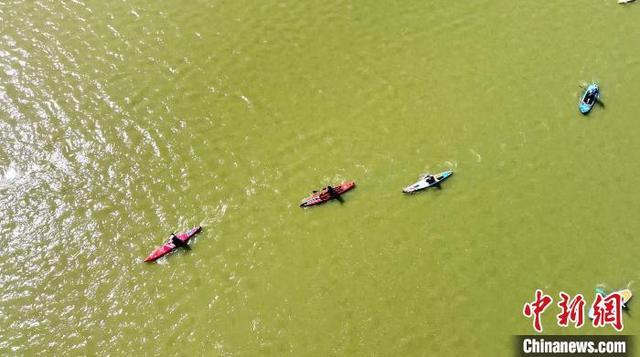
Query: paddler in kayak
x=178, y=242
x=591, y=97
x=332, y=193
x=327, y=193
x=431, y=180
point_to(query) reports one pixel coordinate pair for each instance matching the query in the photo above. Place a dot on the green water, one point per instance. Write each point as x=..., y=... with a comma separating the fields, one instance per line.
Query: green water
x=122, y=121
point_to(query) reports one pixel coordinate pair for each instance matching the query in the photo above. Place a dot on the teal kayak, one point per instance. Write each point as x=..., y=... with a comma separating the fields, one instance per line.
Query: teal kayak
x=427, y=181
x=589, y=98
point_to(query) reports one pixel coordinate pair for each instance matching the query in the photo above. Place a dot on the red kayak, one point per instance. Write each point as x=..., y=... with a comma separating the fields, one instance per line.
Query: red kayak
x=324, y=196
x=168, y=246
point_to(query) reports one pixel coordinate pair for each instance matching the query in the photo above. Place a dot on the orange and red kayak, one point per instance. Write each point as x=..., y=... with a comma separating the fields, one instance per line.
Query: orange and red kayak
x=168, y=246
x=323, y=195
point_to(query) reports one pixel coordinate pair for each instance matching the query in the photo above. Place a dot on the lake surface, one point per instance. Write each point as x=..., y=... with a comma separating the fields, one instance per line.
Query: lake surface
x=123, y=121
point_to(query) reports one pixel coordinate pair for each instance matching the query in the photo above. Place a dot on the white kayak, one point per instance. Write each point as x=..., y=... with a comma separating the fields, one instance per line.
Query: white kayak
x=428, y=181
x=625, y=1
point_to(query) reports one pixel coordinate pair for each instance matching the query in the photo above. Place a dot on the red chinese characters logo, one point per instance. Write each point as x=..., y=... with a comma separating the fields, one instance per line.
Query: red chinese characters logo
x=605, y=310
x=572, y=310
x=608, y=311
x=536, y=308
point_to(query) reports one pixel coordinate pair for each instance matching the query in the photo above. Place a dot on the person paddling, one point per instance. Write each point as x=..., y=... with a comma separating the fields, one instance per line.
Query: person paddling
x=177, y=241
x=332, y=193
x=430, y=179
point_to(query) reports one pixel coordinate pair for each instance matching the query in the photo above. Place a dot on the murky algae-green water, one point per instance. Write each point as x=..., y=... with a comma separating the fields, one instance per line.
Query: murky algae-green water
x=122, y=121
